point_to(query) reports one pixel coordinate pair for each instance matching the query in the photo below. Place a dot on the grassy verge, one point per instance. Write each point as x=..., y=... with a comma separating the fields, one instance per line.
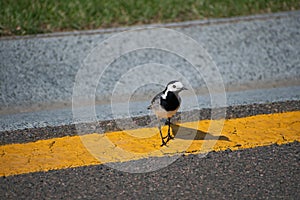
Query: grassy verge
x=23, y=17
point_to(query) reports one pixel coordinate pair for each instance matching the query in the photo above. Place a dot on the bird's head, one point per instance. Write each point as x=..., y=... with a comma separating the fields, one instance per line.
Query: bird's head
x=175, y=86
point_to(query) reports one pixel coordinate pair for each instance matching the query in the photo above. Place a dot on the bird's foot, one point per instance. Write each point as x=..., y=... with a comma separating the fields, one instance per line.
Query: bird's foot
x=163, y=143
x=170, y=137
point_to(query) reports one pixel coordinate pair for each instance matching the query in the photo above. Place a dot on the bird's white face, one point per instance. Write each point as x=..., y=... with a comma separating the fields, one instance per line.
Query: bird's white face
x=175, y=87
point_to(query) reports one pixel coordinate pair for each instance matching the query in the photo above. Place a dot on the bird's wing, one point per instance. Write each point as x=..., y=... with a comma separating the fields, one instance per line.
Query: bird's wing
x=155, y=101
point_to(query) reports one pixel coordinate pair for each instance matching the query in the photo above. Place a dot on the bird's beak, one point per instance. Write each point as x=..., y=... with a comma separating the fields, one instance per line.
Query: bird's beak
x=184, y=88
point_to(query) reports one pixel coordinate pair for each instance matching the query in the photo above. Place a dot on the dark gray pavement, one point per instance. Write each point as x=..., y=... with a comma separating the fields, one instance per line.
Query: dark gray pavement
x=270, y=172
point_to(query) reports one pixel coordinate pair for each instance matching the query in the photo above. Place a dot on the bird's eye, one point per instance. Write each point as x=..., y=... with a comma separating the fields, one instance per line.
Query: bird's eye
x=174, y=86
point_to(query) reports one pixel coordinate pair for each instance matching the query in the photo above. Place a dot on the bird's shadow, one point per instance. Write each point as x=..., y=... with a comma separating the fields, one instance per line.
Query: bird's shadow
x=194, y=134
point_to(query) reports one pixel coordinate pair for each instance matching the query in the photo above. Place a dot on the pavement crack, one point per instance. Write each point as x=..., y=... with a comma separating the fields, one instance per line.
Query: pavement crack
x=284, y=139
x=2, y=153
x=234, y=131
x=29, y=159
x=51, y=146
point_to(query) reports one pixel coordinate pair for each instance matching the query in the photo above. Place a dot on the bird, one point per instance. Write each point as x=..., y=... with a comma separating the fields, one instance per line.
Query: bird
x=165, y=105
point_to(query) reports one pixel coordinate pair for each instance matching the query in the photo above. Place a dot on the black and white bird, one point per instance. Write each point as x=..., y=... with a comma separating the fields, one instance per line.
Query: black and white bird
x=165, y=105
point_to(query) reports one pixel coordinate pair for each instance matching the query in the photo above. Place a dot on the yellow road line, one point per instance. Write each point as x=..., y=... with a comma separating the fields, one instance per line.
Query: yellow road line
x=75, y=151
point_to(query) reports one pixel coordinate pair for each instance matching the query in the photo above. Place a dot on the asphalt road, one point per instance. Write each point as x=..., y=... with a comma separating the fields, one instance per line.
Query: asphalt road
x=258, y=60
x=270, y=172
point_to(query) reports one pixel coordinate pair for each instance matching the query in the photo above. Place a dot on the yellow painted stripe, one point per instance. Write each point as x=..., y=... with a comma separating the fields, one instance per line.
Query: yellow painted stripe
x=75, y=151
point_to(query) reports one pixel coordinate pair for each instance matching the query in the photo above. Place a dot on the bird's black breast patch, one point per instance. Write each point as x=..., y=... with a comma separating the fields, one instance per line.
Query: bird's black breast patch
x=171, y=102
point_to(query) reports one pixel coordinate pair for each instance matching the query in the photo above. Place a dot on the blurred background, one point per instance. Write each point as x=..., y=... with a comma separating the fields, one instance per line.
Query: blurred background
x=44, y=16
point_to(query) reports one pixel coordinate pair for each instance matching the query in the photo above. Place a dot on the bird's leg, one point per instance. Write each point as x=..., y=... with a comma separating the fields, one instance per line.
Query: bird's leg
x=162, y=139
x=162, y=121
x=169, y=134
